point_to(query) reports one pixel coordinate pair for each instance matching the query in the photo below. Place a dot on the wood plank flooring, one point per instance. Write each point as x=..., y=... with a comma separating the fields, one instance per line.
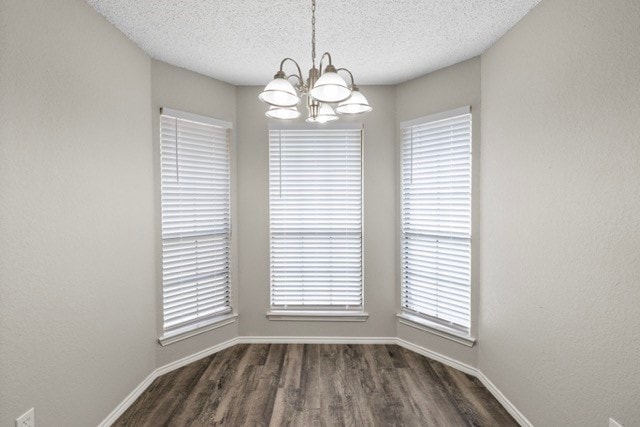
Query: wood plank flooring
x=316, y=385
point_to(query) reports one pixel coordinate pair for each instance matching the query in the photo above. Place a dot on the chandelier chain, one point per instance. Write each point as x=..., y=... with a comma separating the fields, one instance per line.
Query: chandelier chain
x=313, y=33
x=322, y=88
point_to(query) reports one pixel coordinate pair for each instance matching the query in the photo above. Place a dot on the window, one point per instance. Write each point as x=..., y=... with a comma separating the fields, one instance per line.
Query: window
x=195, y=192
x=315, y=194
x=436, y=220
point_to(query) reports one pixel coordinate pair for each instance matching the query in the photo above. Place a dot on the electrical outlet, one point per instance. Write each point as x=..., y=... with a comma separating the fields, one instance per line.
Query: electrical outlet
x=28, y=419
x=614, y=423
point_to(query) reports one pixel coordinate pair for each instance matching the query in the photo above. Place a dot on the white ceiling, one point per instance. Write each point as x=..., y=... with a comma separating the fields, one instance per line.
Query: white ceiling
x=381, y=41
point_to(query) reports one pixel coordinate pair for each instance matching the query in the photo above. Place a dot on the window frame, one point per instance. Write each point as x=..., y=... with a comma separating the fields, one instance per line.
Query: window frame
x=229, y=315
x=407, y=316
x=320, y=313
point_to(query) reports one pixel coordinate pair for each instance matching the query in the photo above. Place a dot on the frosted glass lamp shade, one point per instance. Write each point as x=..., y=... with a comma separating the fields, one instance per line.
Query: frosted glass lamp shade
x=330, y=87
x=280, y=92
x=325, y=114
x=283, y=113
x=355, y=104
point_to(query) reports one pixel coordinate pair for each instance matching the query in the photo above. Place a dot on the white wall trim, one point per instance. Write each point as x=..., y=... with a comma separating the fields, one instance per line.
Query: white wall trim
x=294, y=125
x=316, y=340
x=128, y=401
x=215, y=323
x=195, y=356
x=124, y=405
x=510, y=407
x=467, y=369
x=438, y=357
x=184, y=115
x=437, y=116
x=435, y=329
x=318, y=316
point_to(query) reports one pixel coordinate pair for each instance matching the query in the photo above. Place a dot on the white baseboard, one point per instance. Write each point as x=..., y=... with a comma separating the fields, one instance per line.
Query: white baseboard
x=317, y=340
x=124, y=405
x=455, y=364
x=438, y=357
x=510, y=407
x=128, y=401
x=196, y=356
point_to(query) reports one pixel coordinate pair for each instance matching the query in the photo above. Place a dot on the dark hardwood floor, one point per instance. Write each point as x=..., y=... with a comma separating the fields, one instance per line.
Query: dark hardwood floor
x=316, y=385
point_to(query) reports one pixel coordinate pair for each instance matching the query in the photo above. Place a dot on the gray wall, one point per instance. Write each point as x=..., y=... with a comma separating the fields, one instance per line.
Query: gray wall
x=452, y=87
x=379, y=222
x=177, y=88
x=77, y=302
x=560, y=265
x=556, y=284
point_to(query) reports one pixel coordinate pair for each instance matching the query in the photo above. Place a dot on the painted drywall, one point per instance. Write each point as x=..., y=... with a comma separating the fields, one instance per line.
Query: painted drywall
x=452, y=87
x=77, y=303
x=180, y=89
x=560, y=224
x=379, y=241
x=556, y=318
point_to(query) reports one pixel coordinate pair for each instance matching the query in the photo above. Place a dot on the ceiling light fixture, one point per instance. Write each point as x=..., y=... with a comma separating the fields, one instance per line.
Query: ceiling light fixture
x=322, y=87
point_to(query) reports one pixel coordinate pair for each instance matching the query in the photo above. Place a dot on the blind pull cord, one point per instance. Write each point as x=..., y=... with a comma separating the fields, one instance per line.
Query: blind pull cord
x=280, y=163
x=176, y=135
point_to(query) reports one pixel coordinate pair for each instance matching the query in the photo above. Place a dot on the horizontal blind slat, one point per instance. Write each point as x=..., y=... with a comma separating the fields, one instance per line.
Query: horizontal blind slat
x=436, y=220
x=315, y=197
x=195, y=201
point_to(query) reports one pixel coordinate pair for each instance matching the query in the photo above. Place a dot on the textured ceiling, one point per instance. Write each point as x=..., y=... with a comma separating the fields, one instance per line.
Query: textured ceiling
x=381, y=41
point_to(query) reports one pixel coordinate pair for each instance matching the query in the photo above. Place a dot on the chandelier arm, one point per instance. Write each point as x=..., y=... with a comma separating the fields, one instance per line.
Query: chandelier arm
x=353, y=84
x=300, y=81
x=299, y=75
x=322, y=57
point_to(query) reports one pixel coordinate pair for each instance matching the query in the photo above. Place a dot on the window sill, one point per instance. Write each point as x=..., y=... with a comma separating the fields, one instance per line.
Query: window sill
x=216, y=323
x=318, y=316
x=436, y=329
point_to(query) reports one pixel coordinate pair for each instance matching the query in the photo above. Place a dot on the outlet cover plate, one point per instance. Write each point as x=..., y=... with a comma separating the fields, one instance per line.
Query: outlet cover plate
x=28, y=419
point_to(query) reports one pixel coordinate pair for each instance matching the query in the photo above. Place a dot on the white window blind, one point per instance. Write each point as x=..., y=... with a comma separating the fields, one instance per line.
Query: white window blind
x=195, y=181
x=436, y=218
x=315, y=194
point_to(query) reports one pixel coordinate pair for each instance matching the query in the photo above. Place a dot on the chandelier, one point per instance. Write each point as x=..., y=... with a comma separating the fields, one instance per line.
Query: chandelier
x=321, y=89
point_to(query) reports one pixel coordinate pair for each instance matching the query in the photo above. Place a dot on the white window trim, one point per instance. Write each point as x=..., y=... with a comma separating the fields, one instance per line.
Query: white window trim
x=318, y=316
x=306, y=126
x=195, y=118
x=358, y=314
x=406, y=317
x=435, y=117
x=425, y=325
x=199, y=328
x=229, y=316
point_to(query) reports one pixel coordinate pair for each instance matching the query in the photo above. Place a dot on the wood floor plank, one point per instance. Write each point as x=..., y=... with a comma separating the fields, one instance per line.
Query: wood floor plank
x=331, y=392
x=443, y=409
x=472, y=398
x=310, y=378
x=263, y=398
x=203, y=401
x=357, y=403
x=287, y=400
x=230, y=410
x=316, y=385
x=396, y=354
